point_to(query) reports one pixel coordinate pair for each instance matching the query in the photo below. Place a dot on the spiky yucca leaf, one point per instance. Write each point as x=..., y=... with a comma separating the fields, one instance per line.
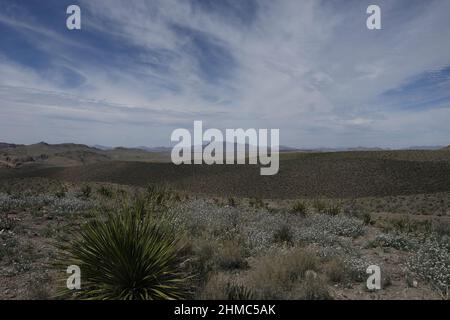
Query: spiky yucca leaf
x=128, y=255
x=238, y=292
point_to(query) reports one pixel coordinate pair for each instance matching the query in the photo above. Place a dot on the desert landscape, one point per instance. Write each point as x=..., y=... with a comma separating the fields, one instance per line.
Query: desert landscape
x=274, y=152
x=309, y=232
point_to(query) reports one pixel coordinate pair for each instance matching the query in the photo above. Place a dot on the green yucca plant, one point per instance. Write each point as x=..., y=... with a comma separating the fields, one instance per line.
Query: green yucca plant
x=238, y=292
x=128, y=255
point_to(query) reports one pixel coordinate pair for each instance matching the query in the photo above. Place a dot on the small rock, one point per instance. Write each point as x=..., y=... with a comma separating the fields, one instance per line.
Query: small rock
x=415, y=284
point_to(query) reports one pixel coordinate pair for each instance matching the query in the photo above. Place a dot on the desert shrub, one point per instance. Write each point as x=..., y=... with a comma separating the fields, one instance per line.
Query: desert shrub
x=6, y=223
x=105, y=192
x=319, y=205
x=300, y=207
x=9, y=247
x=408, y=225
x=336, y=270
x=231, y=256
x=127, y=255
x=231, y=201
x=160, y=198
x=432, y=262
x=332, y=209
x=70, y=205
x=160, y=194
x=386, y=280
x=86, y=191
x=220, y=286
x=214, y=288
x=60, y=193
x=441, y=227
x=356, y=268
x=59, y=204
x=367, y=218
x=400, y=241
x=256, y=203
x=273, y=276
x=283, y=235
x=48, y=232
x=202, y=253
x=201, y=218
x=312, y=287
x=38, y=287
x=340, y=225
x=8, y=202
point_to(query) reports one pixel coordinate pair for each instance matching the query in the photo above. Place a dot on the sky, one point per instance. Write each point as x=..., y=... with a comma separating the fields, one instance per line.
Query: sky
x=139, y=69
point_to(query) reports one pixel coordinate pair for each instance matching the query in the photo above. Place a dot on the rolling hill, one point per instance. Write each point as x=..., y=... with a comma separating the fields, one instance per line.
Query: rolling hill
x=342, y=174
x=70, y=154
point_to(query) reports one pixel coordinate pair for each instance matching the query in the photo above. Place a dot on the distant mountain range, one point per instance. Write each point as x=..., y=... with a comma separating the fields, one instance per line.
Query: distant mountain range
x=148, y=149
x=282, y=148
x=71, y=154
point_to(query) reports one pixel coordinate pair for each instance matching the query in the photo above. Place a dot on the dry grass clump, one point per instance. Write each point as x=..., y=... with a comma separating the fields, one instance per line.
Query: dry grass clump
x=283, y=235
x=208, y=255
x=276, y=274
x=215, y=287
x=336, y=271
x=257, y=203
x=319, y=205
x=85, y=192
x=201, y=262
x=300, y=207
x=231, y=255
x=105, y=192
x=221, y=286
x=313, y=287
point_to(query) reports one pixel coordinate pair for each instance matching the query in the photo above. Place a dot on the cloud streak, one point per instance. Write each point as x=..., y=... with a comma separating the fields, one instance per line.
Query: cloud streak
x=310, y=68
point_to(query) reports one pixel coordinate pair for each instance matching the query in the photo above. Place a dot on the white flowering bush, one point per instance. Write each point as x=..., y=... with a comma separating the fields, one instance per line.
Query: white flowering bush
x=432, y=262
x=338, y=225
x=255, y=227
x=60, y=205
x=8, y=202
x=355, y=266
x=400, y=241
x=70, y=205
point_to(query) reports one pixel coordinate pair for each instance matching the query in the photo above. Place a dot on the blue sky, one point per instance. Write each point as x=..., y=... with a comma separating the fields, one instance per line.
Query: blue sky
x=139, y=69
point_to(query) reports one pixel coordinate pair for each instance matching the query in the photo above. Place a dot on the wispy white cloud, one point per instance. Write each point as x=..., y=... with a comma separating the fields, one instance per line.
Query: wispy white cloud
x=310, y=68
